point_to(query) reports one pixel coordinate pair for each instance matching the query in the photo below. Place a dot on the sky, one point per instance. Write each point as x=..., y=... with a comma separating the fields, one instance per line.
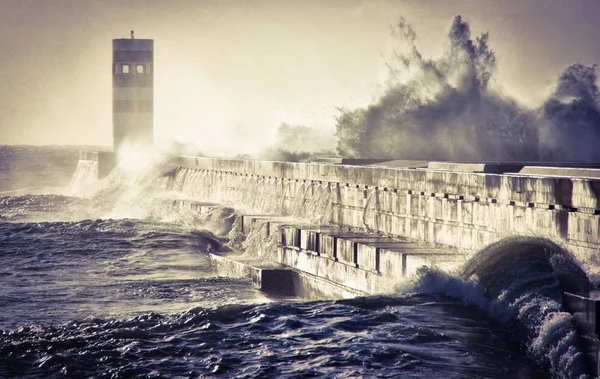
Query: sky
x=228, y=73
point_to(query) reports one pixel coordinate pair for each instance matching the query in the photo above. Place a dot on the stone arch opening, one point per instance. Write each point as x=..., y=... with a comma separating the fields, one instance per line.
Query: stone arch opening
x=494, y=265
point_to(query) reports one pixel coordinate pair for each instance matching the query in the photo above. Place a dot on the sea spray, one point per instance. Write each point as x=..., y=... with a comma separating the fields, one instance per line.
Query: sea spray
x=129, y=194
x=447, y=108
x=519, y=282
x=260, y=245
x=569, y=120
x=299, y=143
x=546, y=331
x=84, y=177
x=435, y=281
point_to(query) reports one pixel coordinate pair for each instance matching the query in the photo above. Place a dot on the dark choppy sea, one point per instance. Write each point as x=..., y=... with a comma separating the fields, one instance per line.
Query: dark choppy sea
x=90, y=291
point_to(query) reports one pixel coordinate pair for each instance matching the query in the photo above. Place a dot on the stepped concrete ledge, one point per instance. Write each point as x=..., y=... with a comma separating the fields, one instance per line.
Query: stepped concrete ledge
x=278, y=280
x=328, y=261
x=361, y=261
x=269, y=277
x=248, y=222
x=322, y=261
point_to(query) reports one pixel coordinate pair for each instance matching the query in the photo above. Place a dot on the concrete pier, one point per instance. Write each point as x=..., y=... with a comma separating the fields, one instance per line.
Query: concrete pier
x=368, y=225
x=467, y=210
x=394, y=217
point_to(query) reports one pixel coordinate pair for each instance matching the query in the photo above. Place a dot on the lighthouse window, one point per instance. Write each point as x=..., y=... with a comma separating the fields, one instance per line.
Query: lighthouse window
x=125, y=69
x=139, y=68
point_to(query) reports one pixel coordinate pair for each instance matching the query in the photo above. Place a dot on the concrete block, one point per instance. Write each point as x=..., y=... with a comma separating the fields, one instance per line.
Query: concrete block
x=309, y=240
x=290, y=236
x=277, y=281
x=346, y=251
x=247, y=222
x=414, y=215
x=328, y=246
x=390, y=262
x=412, y=262
x=367, y=250
x=368, y=257
x=310, y=236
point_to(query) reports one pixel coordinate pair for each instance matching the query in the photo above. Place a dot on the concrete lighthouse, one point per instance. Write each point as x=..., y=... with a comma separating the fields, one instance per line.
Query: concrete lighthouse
x=133, y=92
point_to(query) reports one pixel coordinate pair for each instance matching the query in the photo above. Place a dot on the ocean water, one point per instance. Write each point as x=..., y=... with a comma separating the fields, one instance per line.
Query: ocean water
x=111, y=285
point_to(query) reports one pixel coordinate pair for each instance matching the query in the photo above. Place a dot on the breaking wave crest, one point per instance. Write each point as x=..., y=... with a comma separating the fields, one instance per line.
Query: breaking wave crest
x=520, y=282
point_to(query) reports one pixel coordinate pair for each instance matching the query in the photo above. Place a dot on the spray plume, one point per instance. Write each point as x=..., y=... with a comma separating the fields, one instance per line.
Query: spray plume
x=570, y=118
x=446, y=109
x=297, y=143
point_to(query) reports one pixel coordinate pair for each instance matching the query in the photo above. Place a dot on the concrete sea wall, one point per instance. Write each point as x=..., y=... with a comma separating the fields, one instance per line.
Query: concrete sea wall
x=464, y=210
x=366, y=227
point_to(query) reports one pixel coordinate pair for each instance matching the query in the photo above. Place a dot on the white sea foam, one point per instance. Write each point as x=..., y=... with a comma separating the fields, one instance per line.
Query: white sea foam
x=523, y=296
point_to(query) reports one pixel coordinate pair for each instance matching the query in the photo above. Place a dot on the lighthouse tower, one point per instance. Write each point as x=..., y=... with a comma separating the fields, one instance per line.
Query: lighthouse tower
x=133, y=92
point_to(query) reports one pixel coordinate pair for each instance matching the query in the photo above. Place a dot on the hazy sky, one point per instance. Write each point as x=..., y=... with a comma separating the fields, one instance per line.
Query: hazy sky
x=227, y=73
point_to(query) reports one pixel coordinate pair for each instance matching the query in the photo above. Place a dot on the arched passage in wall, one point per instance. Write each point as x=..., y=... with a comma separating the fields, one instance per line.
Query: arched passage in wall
x=524, y=280
x=514, y=259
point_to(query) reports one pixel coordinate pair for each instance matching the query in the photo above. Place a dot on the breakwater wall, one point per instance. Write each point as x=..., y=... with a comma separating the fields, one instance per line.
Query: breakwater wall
x=463, y=210
x=383, y=222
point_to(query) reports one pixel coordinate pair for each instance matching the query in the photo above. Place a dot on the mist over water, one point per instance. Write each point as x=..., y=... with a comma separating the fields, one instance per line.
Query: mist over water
x=293, y=143
x=447, y=108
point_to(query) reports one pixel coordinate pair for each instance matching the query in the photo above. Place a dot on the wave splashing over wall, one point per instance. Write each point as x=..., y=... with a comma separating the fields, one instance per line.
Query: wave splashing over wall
x=524, y=279
x=446, y=108
x=520, y=282
x=570, y=118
